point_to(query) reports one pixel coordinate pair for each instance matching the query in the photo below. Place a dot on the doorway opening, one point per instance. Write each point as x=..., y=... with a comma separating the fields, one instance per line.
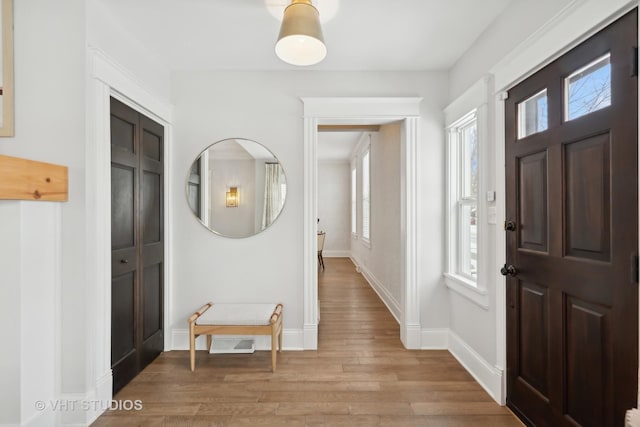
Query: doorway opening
x=359, y=204
x=364, y=111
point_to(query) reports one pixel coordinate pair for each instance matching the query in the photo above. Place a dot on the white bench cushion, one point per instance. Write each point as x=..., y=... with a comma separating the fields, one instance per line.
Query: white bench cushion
x=237, y=314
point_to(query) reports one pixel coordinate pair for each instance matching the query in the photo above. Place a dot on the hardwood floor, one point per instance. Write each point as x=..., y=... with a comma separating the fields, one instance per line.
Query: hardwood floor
x=360, y=376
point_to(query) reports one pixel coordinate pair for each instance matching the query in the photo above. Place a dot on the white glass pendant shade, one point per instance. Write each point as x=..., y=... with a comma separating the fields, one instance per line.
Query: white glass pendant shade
x=300, y=41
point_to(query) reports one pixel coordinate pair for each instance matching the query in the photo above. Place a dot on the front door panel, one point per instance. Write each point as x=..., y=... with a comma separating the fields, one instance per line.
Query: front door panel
x=572, y=192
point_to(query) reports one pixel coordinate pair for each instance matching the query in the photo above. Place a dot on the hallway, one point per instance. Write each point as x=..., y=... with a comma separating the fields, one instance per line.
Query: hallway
x=360, y=376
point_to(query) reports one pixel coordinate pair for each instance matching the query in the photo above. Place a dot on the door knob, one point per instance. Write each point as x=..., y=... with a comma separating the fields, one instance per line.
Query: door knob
x=510, y=226
x=508, y=270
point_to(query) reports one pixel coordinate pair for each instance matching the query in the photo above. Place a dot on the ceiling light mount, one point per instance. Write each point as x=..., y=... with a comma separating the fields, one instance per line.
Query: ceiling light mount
x=300, y=41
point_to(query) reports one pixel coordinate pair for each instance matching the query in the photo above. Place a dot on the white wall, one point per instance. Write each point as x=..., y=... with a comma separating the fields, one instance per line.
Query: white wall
x=266, y=107
x=334, y=206
x=471, y=324
x=53, y=335
x=475, y=325
x=380, y=261
x=49, y=116
x=105, y=33
x=514, y=25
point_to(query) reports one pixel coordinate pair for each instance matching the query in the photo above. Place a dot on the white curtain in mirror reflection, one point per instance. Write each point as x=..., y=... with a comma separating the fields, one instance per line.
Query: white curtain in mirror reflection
x=275, y=190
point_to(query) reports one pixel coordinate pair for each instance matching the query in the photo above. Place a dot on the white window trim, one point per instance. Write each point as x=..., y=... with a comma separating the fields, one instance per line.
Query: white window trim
x=468, y=289
x=366, y=149
x=473, y=103
x=460, y=200
x=353, y=198
x=455, y=202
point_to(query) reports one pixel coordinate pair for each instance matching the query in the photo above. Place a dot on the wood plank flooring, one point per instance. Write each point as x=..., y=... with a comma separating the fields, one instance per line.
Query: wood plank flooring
x=360, y=376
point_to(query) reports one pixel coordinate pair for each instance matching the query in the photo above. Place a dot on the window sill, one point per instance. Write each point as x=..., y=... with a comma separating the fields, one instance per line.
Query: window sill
x=467, y=289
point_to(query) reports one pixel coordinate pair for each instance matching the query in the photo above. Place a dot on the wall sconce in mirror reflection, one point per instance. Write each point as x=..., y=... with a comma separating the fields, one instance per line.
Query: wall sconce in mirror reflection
x=232, y=197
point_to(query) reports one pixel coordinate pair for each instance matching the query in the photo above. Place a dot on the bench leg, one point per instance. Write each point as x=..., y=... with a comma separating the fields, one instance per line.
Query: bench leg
x=192, y=350
x=280, y=339
x=208, y=342
x=274, y=333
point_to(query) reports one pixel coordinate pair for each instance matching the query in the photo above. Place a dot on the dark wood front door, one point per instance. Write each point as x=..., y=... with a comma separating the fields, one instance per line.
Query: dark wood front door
x=572, y=239
x=137, y=242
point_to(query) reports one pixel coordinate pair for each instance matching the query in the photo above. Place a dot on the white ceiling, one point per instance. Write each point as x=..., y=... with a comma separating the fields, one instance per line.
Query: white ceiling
x=334, y=146
x=363, y=35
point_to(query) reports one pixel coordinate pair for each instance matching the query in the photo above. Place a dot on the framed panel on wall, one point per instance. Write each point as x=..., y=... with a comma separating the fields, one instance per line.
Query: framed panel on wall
x=6, y=70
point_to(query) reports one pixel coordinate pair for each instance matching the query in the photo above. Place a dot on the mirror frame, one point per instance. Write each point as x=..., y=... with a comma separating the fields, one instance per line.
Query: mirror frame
x=217, y=233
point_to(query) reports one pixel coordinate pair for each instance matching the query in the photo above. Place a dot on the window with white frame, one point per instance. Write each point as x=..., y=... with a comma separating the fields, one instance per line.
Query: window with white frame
x=463, y=195
x=366, y=190
x=354, y=200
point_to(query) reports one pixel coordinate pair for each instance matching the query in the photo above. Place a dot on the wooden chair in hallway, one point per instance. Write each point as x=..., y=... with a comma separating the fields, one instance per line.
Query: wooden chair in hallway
x=321, y=235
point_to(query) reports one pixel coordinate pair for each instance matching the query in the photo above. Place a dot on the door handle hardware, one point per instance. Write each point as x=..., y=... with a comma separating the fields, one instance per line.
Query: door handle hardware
x=508, y=270
x=510, y=226
x=124, y=261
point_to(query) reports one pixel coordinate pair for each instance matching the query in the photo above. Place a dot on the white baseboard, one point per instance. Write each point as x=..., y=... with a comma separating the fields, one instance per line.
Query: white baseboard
x=103, y=393
x=411, y=336
x=434, y=339
x=73, y=415
x=81, y=410
x=336, y=254
x=39, y=419
x=310, y=336
x=488, y=376
x=379, y=288
x=292, y=339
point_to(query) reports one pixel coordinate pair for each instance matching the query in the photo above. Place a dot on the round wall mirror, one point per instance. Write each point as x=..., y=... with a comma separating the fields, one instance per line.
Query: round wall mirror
x=236, y=188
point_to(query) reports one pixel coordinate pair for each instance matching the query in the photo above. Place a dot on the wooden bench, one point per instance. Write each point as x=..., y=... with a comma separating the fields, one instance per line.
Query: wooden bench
x=236, y=319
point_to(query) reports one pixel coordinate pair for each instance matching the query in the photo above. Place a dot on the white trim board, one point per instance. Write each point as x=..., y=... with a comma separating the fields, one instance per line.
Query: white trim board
x=336, y=111
x=434, y=339
x=389, y=301
x=488, y=376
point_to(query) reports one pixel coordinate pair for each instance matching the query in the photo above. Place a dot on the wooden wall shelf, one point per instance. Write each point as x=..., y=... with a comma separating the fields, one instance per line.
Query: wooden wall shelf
x=22, y=179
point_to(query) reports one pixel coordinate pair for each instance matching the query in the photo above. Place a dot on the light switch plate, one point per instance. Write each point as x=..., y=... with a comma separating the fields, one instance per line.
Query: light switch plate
x=491, y=215
x=491, y=196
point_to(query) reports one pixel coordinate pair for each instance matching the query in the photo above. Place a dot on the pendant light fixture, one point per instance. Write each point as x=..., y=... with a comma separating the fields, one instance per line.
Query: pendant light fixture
x=300, y=41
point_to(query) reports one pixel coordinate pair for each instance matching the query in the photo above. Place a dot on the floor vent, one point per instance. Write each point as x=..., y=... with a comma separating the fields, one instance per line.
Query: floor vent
x=232, y=345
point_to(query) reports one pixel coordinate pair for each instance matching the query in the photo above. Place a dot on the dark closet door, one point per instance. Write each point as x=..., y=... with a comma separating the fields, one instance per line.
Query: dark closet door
x=137, y=242
x=572, y=221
